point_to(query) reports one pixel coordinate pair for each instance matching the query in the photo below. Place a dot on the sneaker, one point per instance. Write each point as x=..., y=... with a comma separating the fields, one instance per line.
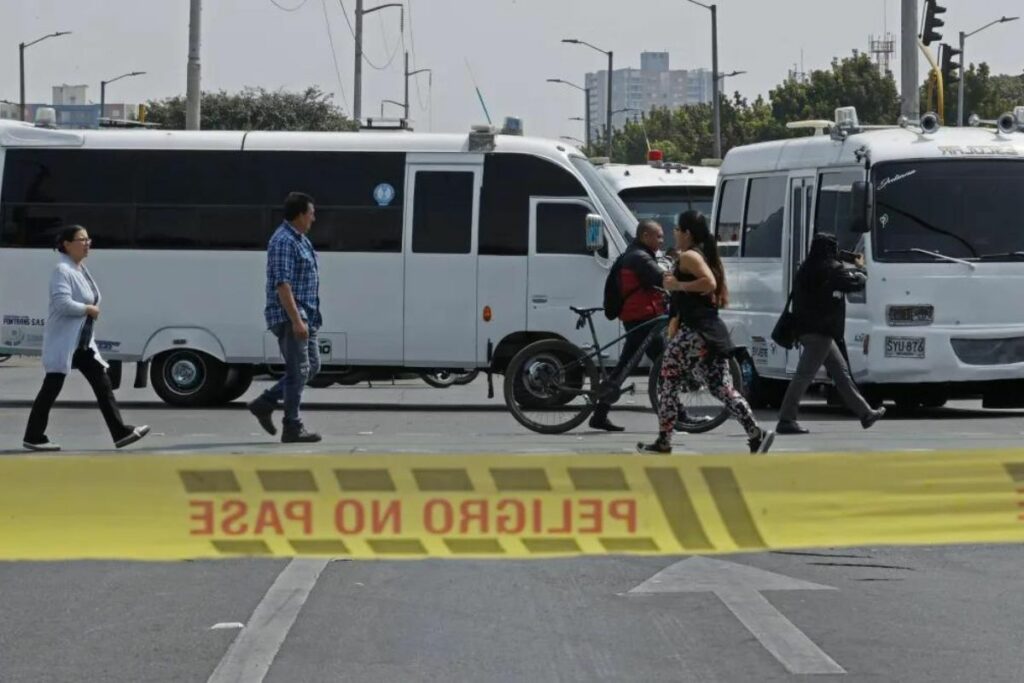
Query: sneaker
x=298, y=434
x=790, y=427
x=659, y=446
x=263, y=411
x=871, y=418
x=762, y=442
x=602, y=422
x=137, y=433
x=44, y=445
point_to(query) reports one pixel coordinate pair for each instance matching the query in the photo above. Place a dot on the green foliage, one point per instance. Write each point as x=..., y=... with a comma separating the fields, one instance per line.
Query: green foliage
x=255, y=109
x=986, y=95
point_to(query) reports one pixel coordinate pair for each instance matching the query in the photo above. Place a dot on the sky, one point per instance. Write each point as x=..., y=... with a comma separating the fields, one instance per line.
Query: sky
x=509, y=46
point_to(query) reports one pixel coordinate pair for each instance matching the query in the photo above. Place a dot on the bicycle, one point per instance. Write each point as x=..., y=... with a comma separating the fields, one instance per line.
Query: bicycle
x=552, y=385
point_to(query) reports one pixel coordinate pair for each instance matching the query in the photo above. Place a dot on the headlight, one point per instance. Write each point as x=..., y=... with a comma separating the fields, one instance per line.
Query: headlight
x=907, y=316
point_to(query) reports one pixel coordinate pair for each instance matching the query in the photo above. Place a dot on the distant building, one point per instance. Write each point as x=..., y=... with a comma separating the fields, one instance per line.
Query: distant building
x=73, y=108
x=654, y=84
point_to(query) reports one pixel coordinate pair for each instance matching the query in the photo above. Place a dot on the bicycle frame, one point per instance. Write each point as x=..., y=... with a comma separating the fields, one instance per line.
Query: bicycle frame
x=657, y=326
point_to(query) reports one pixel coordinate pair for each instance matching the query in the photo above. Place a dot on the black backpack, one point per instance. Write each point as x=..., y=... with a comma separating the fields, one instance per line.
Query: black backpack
x=614, y=300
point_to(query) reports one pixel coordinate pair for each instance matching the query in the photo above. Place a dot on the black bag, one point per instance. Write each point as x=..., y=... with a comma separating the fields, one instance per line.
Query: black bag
x=784, y=333
x=613, y=298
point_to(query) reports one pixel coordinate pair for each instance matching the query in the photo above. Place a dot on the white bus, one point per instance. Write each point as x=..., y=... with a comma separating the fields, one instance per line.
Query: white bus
x=937, y=213
x=661, y=190
x=436, y=251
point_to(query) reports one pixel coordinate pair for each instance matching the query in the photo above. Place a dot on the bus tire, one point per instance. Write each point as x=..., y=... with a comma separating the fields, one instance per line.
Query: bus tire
x=187, y=378
x=238, y=381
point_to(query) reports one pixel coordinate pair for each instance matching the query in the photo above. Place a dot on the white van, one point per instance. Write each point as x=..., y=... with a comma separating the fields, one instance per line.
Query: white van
x=936, y=213
x=436, y=251
x=660, y=190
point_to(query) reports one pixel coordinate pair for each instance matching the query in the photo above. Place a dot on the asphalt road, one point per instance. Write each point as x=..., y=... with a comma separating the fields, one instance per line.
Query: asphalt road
x=865, y=614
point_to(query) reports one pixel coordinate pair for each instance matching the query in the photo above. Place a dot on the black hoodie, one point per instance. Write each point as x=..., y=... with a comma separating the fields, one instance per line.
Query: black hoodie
x=819, y=292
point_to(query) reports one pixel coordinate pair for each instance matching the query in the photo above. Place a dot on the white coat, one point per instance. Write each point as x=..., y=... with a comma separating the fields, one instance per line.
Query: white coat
x=69, y=294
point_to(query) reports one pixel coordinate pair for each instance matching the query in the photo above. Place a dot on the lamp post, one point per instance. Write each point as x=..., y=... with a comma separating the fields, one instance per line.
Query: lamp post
x=586, y=109
x=103, y=88
x=963, y=65
x=717, y=107
x=608, y=114
x=571, y=139
x=21, y=66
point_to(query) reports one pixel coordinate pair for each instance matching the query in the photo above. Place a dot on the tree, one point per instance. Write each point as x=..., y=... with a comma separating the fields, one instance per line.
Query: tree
x=255, y=109
x=986, y=95
x=851, y=82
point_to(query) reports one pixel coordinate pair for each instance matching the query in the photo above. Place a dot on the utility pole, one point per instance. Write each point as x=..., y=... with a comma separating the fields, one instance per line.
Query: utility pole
x=357, y=97
x=910, y=98
x=21, y=67
x=408, y=74
x=717, y=105
x=608, y=115
x=192, y=92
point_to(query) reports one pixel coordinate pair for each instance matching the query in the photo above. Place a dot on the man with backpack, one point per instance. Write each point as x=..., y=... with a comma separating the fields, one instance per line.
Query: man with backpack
x=633, y=294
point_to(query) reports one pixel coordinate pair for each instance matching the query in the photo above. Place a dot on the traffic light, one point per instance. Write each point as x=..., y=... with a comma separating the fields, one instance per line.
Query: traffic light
x=950, y=68
x=932, y=22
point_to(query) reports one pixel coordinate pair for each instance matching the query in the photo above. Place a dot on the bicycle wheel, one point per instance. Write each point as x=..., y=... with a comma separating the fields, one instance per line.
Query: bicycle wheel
x=701, y=412
x=548, y=385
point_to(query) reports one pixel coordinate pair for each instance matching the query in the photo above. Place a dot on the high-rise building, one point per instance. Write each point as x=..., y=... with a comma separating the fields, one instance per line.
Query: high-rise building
x=654, y=84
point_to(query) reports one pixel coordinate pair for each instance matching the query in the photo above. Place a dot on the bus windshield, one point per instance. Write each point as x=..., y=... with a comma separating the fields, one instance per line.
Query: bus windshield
x=937, y=210
x=624, y=221
x=664, y=204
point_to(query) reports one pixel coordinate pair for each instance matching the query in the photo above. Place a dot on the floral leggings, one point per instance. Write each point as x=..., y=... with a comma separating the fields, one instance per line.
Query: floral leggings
x=685, y=363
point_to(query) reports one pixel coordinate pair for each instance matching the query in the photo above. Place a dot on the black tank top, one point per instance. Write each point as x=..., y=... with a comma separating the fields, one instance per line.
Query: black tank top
x=692, y=307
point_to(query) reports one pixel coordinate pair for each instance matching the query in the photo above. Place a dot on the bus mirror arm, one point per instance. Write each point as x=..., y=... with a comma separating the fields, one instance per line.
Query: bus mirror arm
x=860, y=207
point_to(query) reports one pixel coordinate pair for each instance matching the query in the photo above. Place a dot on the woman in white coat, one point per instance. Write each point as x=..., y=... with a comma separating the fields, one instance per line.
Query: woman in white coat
x=69, y=342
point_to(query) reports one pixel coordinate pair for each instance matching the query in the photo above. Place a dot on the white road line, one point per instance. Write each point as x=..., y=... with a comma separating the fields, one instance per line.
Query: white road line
x=249, y=658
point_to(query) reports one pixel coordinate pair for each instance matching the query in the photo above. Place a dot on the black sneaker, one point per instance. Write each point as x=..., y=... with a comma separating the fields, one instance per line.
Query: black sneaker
x=762, y=442
x=659, y=446
x=136, y=434
x=298, y=434
x=602, y=422
x=45, y=445
x=871, y=418
x=263, y=412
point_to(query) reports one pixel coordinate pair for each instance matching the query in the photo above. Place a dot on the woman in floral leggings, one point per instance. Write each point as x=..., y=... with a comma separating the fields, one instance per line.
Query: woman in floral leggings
x=699, y=343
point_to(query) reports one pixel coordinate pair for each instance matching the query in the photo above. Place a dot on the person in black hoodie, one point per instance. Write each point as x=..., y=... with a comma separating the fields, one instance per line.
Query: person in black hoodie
x=819, y=311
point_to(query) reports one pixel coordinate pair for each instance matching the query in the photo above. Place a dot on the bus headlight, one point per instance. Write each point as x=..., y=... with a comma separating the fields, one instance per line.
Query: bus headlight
x=909, y=316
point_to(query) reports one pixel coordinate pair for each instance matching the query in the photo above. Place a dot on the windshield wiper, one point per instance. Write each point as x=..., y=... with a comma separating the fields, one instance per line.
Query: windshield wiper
x=1002, y=255
x=928, y=226
x=933, y=254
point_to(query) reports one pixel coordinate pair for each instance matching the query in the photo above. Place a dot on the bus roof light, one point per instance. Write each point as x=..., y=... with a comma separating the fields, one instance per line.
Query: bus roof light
x=655, y=157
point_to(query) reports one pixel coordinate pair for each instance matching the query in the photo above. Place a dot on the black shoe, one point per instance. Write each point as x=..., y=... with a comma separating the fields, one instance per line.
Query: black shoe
x=762, y=442
x=263, y=412
x=659, y=446
x=871, y=418
x=44, y=445
x=136, y=434
x=298, y=434
x=602, y=422
x=791, y=427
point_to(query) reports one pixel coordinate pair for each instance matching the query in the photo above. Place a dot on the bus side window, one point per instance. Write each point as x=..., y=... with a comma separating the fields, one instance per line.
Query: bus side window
x=762, y=227
x=730, y=214
x=833, y=211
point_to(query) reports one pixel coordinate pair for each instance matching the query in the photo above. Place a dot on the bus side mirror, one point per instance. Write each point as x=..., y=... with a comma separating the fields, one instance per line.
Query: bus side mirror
x=595, y=233
x=860, y=203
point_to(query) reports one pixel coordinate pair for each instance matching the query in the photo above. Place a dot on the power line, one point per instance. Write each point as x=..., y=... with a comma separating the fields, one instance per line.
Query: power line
x=289, y=9
x=412, y=41
x=334, y=54
x=352, y=30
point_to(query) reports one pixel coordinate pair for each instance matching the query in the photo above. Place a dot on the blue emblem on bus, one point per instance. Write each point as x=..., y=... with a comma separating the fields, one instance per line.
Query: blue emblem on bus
x=383, y=194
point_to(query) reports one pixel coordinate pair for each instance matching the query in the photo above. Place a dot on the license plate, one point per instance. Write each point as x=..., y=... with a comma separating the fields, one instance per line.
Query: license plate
x=904, y=347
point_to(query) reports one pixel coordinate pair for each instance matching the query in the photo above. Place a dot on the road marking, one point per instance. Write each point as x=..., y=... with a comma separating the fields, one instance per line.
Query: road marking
x=739, y=587
x=226, y=625
x=249, y=658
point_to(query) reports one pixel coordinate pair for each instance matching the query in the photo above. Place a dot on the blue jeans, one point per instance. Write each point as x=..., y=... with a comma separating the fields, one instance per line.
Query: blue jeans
x=301, y=363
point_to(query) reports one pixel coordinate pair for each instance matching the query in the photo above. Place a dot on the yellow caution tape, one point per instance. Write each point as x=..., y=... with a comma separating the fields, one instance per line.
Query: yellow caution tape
x=499, y=506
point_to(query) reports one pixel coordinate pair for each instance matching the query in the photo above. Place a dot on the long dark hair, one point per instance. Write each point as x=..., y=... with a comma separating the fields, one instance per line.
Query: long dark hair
x=696, y=223
x=66, y=235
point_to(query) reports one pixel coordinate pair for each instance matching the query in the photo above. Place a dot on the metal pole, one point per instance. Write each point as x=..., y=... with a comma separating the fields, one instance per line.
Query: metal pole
x=586, y=115
x=192, y=95
x=608, y=116
x=21, y=71
x=406, y=73
x=716, y=105
x=357, y=98
x=960, y=93
x=103, y=97
x=910, y=98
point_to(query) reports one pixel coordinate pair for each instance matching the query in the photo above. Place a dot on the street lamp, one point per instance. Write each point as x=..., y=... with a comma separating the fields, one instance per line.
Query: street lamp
x=103, y=89
x=397, y=104
x=21, y=65
x=963, y=65
x=608, y=114
x=586, y=109
x=714, y=75
x=571, y=139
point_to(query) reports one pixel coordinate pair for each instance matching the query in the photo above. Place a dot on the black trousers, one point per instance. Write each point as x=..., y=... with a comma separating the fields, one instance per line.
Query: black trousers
x=96, y=375
x=636, y=332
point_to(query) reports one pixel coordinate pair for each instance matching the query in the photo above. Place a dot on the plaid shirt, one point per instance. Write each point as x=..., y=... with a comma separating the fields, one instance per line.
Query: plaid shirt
x=291, y=259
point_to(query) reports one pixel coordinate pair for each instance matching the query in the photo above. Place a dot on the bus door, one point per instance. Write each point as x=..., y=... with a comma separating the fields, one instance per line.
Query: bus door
x=801, y=198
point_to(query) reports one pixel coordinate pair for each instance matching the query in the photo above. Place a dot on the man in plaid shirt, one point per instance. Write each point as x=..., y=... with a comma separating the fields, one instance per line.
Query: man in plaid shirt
x=293, y=315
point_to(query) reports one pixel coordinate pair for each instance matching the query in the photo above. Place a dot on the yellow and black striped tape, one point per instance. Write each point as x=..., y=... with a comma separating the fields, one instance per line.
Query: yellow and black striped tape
x=499, y=506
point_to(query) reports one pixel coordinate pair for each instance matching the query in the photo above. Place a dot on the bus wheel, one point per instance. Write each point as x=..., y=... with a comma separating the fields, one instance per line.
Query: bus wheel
x=239, y=378
x=188, y=378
